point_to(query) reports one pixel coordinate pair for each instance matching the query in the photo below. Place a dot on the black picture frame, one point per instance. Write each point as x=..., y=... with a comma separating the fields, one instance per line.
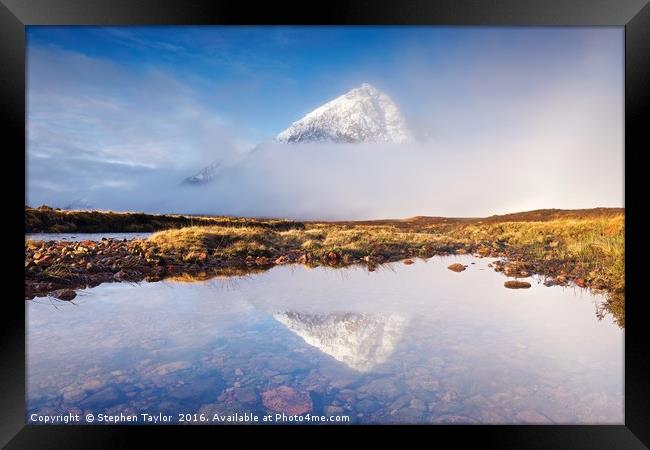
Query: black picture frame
x=634, y=15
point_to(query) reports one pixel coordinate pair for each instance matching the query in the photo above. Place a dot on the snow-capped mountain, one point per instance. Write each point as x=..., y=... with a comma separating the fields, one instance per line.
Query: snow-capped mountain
x=364, y=114
x=205, y=175
x=360, y=341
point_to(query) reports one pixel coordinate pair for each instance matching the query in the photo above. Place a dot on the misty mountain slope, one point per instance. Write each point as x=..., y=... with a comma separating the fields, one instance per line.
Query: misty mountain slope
x=364, y=114
x=205, y=175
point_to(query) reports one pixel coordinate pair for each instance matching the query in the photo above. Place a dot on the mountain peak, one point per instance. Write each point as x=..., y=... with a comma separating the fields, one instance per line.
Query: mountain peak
x=367, y=89
x=363, y=114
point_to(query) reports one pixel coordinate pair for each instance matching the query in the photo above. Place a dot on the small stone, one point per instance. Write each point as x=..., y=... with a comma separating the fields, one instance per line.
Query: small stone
x=64, y=294
x=346, y=395
x=331, y=410
x=532, y=417
x=367, y=406
x=246, y=395
x=408, y=262
x=262, y=261
x=43, y=260
x=103, y=398
x=287, y=400
x=418, y=404
x=400, y=403
x=381, y=388
x=332, y=257
x=457, y=267
x=120, y=275
x=516, y=284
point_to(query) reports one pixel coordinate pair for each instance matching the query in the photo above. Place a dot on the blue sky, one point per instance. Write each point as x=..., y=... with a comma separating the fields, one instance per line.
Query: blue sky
x=120, y=104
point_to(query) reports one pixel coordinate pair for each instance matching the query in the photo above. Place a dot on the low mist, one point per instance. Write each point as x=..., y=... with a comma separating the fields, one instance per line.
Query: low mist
x=362, y=181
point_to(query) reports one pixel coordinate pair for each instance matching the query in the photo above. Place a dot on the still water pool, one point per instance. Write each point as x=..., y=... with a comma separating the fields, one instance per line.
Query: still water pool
x=78, y=237
x=402, y=344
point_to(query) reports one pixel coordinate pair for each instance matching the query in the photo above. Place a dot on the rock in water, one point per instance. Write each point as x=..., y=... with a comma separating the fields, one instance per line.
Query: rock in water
x=516, y=284
x=287, y=400
x=64, y=294
x=457, y=267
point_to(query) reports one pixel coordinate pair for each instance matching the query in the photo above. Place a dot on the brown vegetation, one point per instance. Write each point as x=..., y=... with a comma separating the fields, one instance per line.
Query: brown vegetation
x=49, y=220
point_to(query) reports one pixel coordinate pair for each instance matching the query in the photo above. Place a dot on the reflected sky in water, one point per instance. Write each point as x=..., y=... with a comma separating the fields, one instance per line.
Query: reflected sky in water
x=403, y=344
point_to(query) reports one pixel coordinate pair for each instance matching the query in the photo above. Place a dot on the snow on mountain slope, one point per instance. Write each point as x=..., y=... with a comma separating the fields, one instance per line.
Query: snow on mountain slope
x=364, y=114
x=206, y=174
x=360, y=341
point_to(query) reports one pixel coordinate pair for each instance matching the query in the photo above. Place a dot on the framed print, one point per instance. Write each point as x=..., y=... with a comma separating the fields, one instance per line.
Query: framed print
x=373, y=218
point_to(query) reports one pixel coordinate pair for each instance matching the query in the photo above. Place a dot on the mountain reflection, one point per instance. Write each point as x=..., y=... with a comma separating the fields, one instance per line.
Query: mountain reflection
x=361, y=341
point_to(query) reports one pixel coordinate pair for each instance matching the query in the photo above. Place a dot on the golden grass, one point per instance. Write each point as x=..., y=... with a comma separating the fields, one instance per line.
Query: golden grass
x=596, y=245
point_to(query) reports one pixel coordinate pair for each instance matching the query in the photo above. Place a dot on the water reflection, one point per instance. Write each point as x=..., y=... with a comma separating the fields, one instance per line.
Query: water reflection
x=414, y=344
x=78, y=237
x=360, y=341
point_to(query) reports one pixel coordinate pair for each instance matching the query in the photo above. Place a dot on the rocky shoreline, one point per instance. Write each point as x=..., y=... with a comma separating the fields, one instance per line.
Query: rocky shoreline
x=57, y=268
